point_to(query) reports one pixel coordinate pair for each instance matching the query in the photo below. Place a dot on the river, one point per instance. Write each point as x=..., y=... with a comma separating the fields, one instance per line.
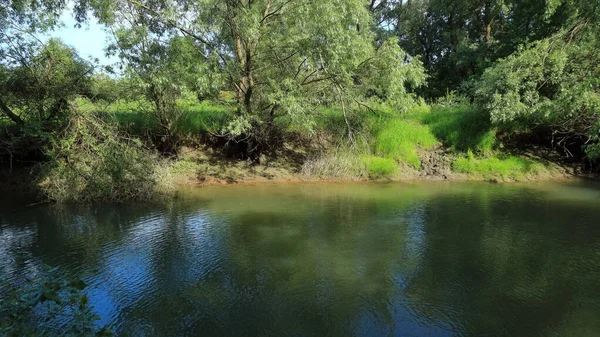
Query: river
x=325, y=259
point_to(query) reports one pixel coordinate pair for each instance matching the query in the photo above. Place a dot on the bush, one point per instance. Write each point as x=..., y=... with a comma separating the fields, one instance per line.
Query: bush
x=91, y=160
x=399, y=139
x=379, y=168
x=549, y=87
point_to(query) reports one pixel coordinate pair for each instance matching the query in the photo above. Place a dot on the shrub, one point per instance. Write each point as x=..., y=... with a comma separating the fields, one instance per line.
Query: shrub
x=379, y=168
x=91, y=160
x=549, y=87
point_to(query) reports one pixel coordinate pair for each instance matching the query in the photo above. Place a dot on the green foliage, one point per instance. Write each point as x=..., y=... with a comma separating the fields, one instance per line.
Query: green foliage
x=281, y=59
x=379, y=168
x=593, y=150
x=399, y=139
x=34, y=309
x=550, y=84
x=499, y=168
x=37, y=89
x=91, y=160
x=137, y=117
x=459, y=39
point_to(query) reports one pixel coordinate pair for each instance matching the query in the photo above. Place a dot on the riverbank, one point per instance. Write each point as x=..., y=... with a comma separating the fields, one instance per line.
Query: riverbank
x=443, y=142
x=200, y=167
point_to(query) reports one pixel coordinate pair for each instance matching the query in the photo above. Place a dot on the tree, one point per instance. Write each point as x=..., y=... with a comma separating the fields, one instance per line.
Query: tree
x=552, y=84
x=280, y=57
x=39, y=80
x=162, y=63
x=458, y=40
x=19, y=21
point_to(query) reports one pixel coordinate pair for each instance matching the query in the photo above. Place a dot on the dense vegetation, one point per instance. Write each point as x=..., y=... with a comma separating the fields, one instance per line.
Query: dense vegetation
x=336, y=89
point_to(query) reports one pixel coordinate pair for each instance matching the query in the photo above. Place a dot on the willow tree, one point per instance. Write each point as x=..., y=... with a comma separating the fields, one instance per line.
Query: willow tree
x=282, y=57
x=161, y=63
x=22, y=59
x=38, y=79
x=551, y=86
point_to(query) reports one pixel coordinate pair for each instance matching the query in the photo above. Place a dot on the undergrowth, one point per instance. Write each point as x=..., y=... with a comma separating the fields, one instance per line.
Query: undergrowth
x=339, y=163
x=91, y=160
x=138, y=118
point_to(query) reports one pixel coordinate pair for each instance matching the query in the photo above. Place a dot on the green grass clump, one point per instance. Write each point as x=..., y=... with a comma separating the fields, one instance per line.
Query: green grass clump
x=461, y=127
x=498, y=168
x=399, y=139
x=379, y=168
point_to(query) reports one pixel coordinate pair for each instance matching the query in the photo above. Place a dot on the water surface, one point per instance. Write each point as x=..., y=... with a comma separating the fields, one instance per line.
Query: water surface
x=428, y=259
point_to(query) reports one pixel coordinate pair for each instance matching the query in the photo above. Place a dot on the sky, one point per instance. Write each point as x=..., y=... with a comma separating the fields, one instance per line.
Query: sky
x=89, y=40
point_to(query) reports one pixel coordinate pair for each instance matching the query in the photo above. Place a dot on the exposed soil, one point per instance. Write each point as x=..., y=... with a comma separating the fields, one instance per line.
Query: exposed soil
x=436, y=163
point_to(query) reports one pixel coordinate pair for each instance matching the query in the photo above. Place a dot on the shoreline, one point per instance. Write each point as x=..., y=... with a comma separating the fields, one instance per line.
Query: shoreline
x=22, y=179
x=299, y=179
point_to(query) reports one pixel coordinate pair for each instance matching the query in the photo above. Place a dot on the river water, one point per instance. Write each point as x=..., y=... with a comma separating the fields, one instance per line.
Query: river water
x=422, y=259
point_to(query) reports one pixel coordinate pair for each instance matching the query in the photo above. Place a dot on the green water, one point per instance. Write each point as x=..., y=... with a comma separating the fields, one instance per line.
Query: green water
x=429, y=259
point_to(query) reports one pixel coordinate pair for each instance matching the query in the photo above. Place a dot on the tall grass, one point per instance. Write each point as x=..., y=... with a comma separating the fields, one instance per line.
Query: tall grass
x=460, y=127
x=378, y=167
x=399, y=139
x=503, y=168
x=339, y=163
x=137, y=116
x=203, y=117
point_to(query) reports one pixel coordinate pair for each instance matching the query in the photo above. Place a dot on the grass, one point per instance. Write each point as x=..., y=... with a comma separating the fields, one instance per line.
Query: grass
x=399, y=139
x=137, y=116
x=203, y=117
x=379, y=168
x=339, y=163
x=504, y=168
x=460, y=127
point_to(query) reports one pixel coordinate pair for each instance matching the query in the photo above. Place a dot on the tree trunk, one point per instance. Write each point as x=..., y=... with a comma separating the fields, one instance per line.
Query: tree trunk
x=487, y=21
x=10, y=114
x=488, y=32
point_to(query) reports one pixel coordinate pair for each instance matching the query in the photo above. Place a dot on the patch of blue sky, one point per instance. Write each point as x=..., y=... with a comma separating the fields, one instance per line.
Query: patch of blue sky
x=90, y=40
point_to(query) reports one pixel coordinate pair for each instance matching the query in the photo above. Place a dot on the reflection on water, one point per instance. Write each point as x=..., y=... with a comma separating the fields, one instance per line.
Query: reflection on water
x=443, y=259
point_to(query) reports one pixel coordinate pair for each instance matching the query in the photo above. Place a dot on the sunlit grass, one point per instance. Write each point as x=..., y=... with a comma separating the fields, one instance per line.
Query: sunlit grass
x=137, y=117
x=461, y=127
x=378, y=167
x=399, y=139
x=501, y=168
